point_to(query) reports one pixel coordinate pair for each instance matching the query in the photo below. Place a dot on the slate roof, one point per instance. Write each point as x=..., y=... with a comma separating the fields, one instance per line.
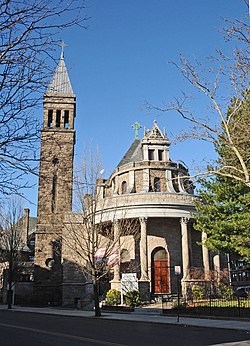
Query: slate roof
x=60, y=84
x=134, y=153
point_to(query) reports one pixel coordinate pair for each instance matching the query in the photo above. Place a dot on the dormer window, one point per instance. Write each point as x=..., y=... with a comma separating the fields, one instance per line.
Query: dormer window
x=151, y=154
x=124, y=187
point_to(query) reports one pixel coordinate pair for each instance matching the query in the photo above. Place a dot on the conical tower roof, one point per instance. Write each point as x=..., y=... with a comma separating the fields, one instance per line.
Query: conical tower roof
x=60, y=84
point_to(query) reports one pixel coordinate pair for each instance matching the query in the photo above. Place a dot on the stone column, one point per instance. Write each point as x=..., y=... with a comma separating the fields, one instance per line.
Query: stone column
x=145, y=182
x=205, y=256
x=216, y=261
x=116, y=283
x=185, y=250
x=144, y=280
x=143, y=250
x=131, y=181
x=116, y=239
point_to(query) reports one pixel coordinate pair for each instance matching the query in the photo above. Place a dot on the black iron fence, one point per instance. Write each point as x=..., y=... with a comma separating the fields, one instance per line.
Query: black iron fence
x=230, y=307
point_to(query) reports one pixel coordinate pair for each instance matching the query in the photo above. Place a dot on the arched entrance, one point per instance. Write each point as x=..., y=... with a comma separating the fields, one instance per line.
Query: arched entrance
x=160, y=271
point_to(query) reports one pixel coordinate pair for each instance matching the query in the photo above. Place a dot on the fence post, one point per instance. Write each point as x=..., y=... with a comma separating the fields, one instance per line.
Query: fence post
x=238, y=299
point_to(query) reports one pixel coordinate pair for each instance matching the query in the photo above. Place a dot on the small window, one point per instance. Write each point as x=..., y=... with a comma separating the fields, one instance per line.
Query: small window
x=58, y=118
x=157, y=185
x=124, y=187
x=54, y=187
x=160, y=155
x=50, y=118
x=66, y=119
x=151, y=154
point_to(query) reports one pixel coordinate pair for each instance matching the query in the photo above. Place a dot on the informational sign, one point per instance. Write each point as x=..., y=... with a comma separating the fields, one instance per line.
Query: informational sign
x=177, y=270
x=129, y=282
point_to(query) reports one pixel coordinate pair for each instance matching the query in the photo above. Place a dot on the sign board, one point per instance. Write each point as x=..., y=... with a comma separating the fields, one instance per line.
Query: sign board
x=177, y=270
x=129, y=282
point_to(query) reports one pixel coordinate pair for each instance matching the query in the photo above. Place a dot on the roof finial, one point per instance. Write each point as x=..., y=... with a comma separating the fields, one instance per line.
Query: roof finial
x=136, y=126
x=63, y=45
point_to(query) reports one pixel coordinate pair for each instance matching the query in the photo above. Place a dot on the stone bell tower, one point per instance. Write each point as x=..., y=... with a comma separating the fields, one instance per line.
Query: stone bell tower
x=55, y=184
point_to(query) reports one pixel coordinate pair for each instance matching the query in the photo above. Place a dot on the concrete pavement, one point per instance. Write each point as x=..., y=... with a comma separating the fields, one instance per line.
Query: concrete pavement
x=152, y=316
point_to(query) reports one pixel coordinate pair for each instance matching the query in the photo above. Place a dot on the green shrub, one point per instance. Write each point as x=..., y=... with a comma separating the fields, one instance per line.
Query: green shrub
x=224, y=291
x=198, y=292
x=113, y=297
x=132, y=298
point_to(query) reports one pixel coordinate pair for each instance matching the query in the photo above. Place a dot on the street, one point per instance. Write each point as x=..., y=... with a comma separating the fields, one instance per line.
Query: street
x=29, y=329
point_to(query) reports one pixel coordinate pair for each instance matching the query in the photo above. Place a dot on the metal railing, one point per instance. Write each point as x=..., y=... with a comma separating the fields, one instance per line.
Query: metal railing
x=230, y=307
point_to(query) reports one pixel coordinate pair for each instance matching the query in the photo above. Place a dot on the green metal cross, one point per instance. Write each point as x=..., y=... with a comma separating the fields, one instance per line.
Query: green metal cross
x=136, y=126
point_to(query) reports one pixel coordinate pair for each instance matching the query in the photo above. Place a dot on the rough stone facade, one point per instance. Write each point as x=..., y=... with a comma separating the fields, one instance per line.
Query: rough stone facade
x=146, y=188
x=55, y=185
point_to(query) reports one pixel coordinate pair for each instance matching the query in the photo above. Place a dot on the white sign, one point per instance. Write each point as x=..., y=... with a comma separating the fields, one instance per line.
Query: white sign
x=177, y=270
x=129, y=282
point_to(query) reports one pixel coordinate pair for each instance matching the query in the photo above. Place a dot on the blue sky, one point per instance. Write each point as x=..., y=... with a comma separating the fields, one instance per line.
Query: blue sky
x=121, y=61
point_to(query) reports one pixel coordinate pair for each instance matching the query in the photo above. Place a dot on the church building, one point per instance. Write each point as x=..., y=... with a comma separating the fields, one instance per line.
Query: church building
x=146, y=187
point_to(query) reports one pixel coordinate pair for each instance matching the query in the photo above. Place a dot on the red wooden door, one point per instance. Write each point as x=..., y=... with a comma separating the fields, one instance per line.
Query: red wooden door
x=161, y=280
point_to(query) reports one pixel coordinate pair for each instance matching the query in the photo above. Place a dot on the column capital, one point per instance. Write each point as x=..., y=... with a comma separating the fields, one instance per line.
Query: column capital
x=184, y=220
x=116, y=222
x=143, y=220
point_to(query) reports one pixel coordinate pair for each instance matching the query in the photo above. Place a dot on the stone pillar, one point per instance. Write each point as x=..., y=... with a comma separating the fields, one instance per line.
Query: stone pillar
x=116, y=186
x=143, y=250
x=216, y=260
x=185, y=250
x=116, y=283
x=205, y=256
x=145, y=182
x=144, y=288
x=131, y=181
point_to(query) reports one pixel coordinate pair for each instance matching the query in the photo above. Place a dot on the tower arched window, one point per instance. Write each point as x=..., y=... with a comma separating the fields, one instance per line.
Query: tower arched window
x=50, y=118
x=58, y=118
x=157, y=185
x=124, y=187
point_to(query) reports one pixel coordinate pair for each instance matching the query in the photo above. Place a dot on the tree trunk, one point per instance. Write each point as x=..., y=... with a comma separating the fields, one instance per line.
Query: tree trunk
x=9, y=291
x=96, y=298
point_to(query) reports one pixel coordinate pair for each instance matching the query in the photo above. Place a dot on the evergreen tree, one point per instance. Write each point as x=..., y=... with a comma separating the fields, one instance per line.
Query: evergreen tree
x=224, y=214
x=224, y=207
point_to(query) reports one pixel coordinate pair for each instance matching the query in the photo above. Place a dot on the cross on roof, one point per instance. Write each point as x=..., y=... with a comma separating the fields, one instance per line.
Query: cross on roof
x=63, y=45
x=136, y=126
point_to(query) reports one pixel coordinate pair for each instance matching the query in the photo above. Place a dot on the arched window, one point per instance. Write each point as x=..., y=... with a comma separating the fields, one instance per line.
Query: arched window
x=157, y=185
x=124, y=187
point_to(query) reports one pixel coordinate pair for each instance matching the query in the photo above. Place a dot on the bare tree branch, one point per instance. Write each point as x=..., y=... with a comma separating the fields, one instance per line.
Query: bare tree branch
x=29, y=33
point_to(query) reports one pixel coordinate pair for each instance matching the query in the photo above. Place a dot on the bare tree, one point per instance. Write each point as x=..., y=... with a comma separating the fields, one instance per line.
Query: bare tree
x=224, y=81
x=29, y=33
x=13, y=245
x=94, y=236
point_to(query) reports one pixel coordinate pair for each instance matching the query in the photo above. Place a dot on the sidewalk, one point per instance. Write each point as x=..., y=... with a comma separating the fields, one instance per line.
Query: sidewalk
x=140, y=316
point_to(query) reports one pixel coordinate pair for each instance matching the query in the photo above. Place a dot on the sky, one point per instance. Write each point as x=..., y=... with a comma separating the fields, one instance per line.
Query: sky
x=121, y=62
